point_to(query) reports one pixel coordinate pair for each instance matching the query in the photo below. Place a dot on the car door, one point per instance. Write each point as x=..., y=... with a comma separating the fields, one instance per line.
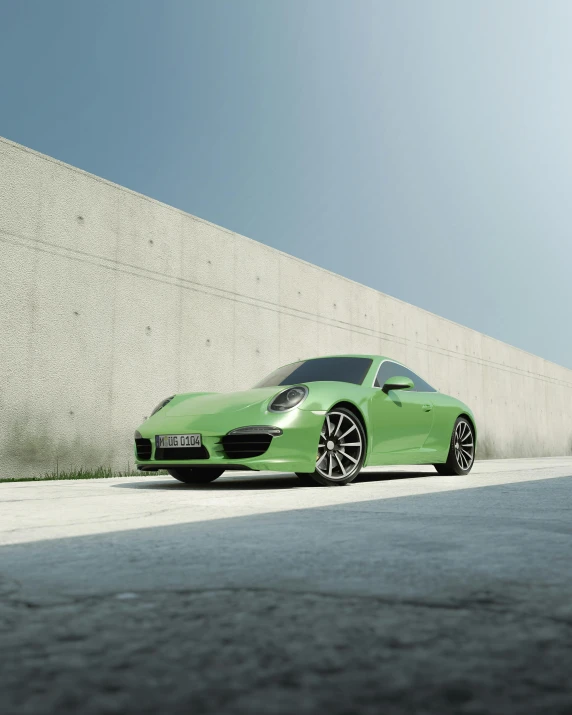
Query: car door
x=401, y=419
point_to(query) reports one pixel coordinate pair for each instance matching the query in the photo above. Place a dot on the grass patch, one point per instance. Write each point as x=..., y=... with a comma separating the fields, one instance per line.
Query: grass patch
x=82, y=473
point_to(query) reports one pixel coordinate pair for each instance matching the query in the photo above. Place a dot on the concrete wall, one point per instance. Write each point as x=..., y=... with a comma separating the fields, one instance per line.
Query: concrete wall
x=110, y=301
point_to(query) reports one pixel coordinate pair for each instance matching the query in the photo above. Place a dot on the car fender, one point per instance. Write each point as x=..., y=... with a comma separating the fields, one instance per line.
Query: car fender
x=323, y=396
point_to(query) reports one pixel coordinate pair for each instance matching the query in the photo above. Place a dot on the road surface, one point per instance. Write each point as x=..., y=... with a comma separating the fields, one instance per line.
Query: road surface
x=405, y=592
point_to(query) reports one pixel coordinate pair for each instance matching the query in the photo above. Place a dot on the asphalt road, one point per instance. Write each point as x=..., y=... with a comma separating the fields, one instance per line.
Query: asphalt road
x=406, y=592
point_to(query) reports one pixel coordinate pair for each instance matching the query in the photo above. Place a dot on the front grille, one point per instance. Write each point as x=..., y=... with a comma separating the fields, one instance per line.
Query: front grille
x=181, y=453
x=241, y=446
x=143, y=448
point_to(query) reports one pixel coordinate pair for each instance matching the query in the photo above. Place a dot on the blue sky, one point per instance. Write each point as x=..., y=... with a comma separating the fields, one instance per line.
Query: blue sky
x=421, y=148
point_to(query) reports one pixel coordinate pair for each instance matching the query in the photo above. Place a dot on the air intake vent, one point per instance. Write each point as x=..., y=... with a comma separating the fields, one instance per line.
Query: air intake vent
x=242, y=446
x=143, y=448
x=181, y=453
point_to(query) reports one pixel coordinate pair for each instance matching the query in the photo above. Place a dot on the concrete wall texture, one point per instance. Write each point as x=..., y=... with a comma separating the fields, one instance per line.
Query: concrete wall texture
x=110, y=301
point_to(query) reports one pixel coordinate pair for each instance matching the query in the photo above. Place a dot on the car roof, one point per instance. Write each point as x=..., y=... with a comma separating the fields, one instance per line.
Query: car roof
x=352, y=355
x=381, y=358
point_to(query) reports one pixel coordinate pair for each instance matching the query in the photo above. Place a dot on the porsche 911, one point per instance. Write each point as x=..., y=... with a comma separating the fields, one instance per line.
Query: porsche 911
x=323, y=419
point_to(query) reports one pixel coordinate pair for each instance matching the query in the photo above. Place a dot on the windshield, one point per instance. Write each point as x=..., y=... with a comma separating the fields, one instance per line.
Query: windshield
x=339, y=369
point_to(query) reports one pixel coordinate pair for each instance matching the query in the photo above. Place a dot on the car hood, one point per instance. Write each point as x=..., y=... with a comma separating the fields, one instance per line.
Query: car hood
x=212, y=402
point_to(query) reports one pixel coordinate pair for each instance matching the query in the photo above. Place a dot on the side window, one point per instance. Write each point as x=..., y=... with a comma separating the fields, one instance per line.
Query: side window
x=424, y=386
x=420, y=385
x=391, y=369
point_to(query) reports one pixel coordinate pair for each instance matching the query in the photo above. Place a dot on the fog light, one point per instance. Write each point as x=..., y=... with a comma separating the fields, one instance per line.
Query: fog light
x=258, y=429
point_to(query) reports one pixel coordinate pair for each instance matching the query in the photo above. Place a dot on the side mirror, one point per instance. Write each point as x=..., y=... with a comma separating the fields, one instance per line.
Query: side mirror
x=397, y=383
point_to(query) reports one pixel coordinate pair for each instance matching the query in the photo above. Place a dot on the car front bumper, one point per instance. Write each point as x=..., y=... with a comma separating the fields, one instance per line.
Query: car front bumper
x=295, y=450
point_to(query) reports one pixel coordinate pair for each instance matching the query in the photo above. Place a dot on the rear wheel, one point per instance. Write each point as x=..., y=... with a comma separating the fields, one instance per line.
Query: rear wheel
x=461, y=450
x=341, y=450
x=190, y=475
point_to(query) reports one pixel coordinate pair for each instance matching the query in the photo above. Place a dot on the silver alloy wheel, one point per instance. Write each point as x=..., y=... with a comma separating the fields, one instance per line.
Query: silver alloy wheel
x=340, y=447
x=464, y=445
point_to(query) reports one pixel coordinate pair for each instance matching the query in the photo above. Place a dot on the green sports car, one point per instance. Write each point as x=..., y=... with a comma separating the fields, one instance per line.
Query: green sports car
x=323, y=419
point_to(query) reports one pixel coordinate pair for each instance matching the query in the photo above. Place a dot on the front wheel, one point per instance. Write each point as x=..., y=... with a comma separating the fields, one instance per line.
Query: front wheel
x=341, y=450
x=200, y=475
x=461, y=450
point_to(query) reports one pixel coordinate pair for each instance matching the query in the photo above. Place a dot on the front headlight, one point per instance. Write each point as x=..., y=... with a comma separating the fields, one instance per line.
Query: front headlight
x=287, y=399
x=162, y=404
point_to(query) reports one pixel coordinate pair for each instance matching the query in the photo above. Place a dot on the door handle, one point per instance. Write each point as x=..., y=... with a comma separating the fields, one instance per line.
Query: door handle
x=427, y=407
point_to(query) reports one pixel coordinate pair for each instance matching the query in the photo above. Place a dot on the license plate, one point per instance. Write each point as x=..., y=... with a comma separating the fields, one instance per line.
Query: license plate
x=165, y=441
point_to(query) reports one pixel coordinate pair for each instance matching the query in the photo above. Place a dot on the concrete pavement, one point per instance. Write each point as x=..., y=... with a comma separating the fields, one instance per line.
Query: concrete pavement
x=406, y=592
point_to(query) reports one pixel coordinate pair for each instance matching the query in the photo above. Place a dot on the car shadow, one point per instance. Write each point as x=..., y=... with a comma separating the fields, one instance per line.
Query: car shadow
x=390, y=476
x=278, y=481
x=234, y=483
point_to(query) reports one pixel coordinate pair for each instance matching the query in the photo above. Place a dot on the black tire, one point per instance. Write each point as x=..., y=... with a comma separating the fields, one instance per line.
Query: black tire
x=461, y=455
x=344, y=458
x=192, y=475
